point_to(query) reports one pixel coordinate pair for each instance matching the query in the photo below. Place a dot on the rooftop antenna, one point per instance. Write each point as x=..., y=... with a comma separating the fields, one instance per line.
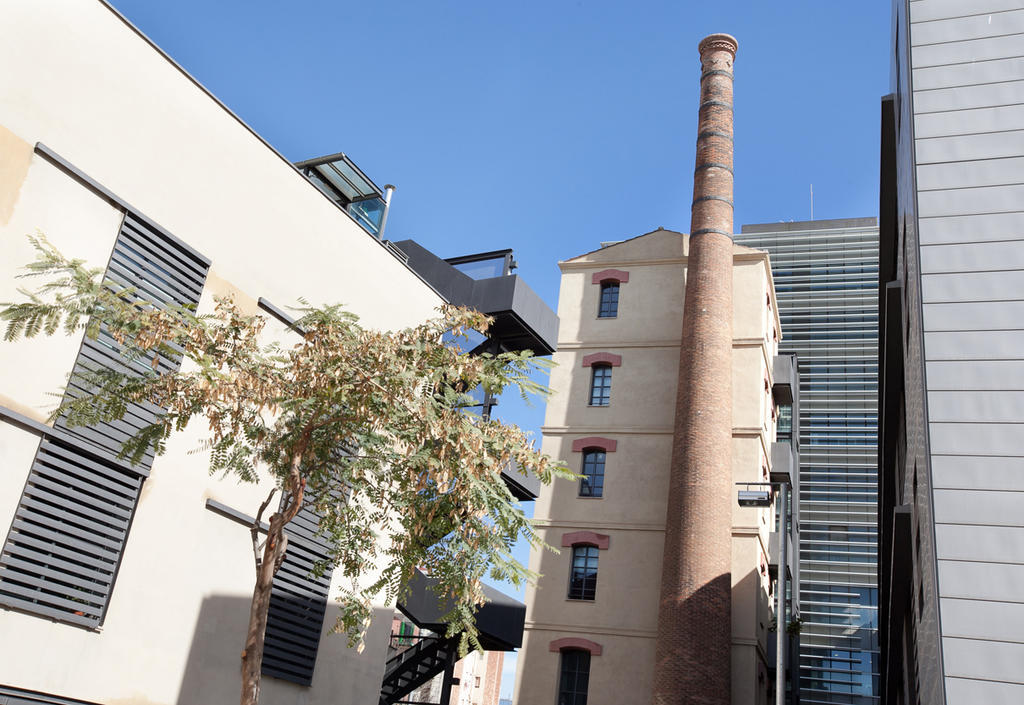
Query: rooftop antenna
x=812, y=201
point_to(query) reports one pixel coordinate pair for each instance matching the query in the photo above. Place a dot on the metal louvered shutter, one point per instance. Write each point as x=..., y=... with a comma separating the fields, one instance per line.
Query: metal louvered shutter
x=298, y=601
x=162, y=272
x=65, y=543
x=61, y=556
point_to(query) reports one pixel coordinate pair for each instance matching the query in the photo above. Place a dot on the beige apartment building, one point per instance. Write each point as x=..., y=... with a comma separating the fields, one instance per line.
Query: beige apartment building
x=592, y=619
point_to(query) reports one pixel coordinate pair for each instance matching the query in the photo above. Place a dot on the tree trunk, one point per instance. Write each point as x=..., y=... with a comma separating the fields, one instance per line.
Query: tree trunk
x=267, y=566
x=252, y=655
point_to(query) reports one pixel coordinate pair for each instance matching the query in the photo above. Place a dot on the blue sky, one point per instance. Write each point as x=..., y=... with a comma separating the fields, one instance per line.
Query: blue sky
x=548, y=126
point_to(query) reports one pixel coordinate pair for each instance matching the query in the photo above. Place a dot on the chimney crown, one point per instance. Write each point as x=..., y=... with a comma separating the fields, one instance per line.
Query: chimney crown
x=718, y=42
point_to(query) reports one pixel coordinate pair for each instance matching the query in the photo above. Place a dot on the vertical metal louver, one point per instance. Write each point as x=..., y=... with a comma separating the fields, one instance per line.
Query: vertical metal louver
x=62, y=553
x=298, y=602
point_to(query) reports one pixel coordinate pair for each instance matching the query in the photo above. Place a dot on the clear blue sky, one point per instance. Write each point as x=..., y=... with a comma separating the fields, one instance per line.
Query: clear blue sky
x=548, y=126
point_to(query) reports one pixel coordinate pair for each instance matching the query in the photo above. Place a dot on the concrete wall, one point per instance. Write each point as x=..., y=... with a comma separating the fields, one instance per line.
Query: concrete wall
x=80, y=80
x=631, y=512
x=968, y=79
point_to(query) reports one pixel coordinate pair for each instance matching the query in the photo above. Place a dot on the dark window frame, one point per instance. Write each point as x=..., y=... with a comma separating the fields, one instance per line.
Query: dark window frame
x=592, y=472
x=573, y=676
x=601, y=385
x=608, y=300
x=583, y=570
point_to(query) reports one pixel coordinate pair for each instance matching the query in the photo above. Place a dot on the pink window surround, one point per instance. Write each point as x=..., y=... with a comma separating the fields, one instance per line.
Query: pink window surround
x=606, y=444
x=577, y=538
x=610, y=275
x=602, y=358
x=572, y=642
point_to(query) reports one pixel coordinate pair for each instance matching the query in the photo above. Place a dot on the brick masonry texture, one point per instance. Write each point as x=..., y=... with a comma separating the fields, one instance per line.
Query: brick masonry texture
x=693, y=650
x=606, y=444
x=609, y=275
x=572, y=642
x=602, y=358
x=577, y=538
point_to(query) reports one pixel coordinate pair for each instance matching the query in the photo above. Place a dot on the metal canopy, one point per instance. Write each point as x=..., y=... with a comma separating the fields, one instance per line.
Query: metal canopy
x=522, y=320
x=500, y=620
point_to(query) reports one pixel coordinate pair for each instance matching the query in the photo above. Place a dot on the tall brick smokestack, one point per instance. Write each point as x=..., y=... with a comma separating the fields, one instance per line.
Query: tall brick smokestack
x=694, y=620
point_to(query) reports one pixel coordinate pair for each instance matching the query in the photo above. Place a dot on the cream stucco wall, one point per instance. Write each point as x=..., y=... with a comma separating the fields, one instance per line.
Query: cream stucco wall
x=79, y=79
x=640, y=417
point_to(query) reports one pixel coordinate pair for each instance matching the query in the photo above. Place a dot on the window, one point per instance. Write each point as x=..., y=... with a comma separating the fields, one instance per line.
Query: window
x=592, y=482
x=575, y=676
x=601, y=385
x=609, y=307
x=583, y=580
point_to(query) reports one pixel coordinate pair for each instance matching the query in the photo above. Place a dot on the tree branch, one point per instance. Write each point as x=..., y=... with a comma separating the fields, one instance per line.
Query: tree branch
x=282, y=548
x=255, y=529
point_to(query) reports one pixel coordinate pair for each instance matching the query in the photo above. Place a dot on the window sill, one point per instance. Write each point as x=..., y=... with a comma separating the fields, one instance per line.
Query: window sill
x=580, y=601
x=581, y=496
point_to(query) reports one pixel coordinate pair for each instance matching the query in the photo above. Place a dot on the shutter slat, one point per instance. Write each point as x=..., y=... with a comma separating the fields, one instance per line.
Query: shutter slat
x=53, y=564
x=84, y=467
x=29, y=605
x=94, y=495
x=82, y=609
x=72, y=517
x=77, y=596
x=94, y=546
x=45, y=551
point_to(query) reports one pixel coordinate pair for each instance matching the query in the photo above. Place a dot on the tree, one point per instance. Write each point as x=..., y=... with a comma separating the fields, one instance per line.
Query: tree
x=377, y=419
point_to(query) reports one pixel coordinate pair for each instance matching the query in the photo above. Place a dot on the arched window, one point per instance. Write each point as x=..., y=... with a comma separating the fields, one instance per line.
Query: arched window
x=592, y=480
x=601, y=385
x=574, y=677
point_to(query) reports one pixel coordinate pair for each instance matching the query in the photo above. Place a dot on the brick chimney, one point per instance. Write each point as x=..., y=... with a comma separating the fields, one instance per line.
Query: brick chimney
x=694, y=618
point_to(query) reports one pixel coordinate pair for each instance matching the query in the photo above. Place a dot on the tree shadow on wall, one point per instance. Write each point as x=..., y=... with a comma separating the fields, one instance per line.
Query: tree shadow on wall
x=341, y=675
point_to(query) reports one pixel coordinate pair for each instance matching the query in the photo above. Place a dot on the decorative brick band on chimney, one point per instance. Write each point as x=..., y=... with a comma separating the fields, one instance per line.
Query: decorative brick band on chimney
x=572, y=642
x=610, y=275
x=602, y=358
x=606, y=444
x=693, y=652
x=576, y=538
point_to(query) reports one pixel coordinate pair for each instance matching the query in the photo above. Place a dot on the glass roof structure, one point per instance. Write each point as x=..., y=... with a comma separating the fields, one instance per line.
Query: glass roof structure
x=343, y=182
x=343, y=176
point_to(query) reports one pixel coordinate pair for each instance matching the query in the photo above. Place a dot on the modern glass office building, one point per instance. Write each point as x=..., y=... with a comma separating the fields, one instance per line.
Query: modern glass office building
x=826, y=278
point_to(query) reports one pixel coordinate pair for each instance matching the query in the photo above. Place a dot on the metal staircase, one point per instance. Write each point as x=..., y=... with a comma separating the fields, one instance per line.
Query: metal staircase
x=500, y=628
x=411, y=668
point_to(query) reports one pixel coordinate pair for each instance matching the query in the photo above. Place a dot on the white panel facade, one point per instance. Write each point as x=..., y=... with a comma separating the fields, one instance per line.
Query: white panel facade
x=980, y=473
x=986, y=374
x=969, y=140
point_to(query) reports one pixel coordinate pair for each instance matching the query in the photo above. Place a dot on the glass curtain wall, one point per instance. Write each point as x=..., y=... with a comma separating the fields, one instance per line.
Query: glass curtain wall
x=826, y=279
